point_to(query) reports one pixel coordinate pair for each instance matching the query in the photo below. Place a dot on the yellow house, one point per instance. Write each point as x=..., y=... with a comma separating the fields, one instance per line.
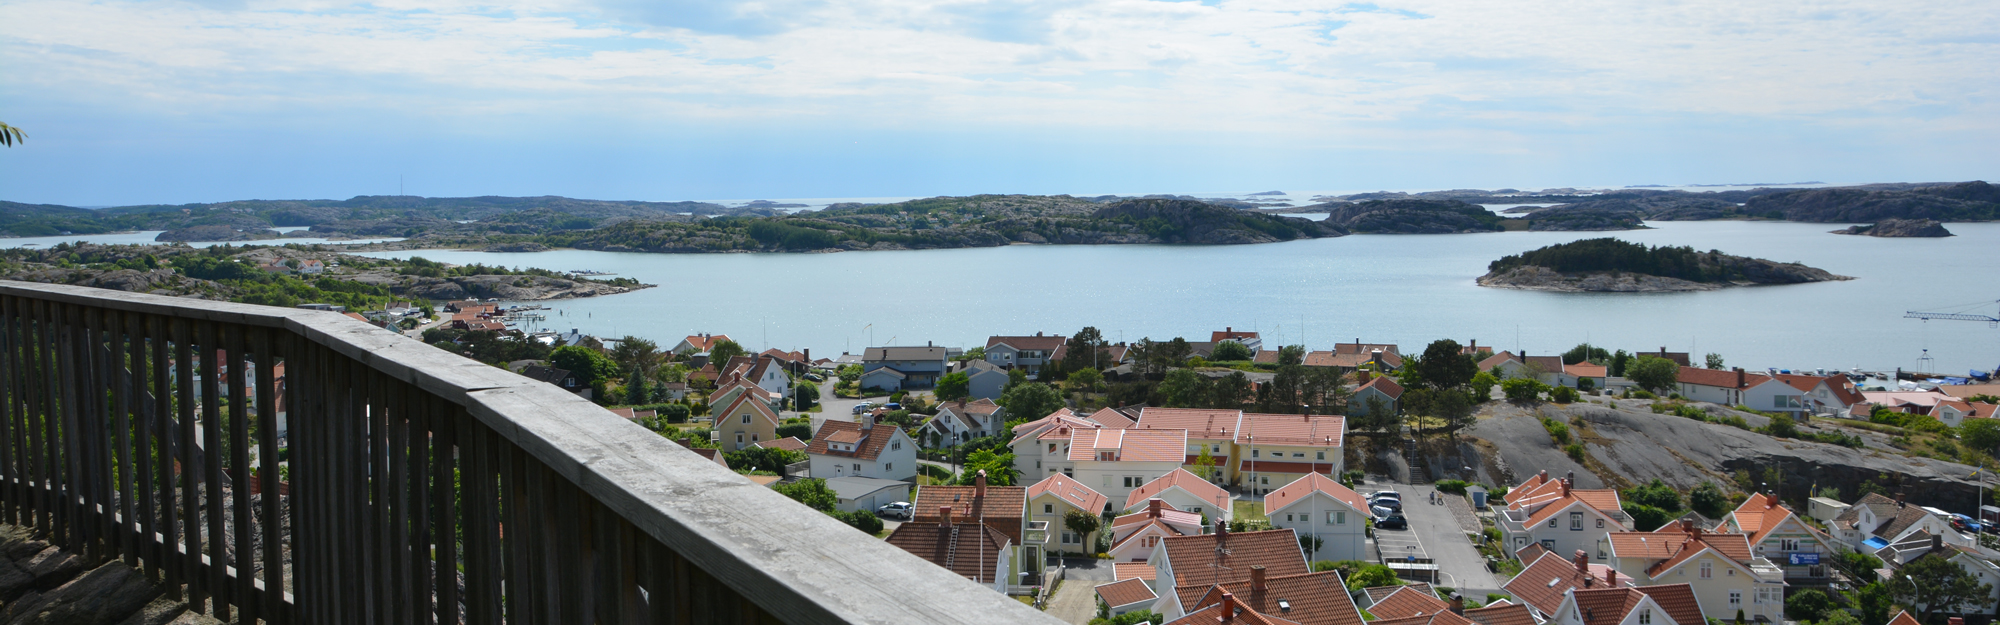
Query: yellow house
x=1721, y=569
x=1050, y=500
x=1274, y=450
x=745, y=422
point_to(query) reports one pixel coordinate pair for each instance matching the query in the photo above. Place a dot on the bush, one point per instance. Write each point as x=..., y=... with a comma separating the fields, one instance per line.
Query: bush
x=1557, y=431
x=1807, y=605
x=801, y=430
x=1639, y=393
x=1575, y=451
x=1456, y=487
x=1563, y=395
x=1780, y=426
x=1523, y=389
x=862, y=520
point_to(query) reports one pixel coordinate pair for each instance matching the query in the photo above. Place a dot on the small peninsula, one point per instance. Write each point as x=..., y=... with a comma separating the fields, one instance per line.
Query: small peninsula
x=1611, y=265
x=1899, y=228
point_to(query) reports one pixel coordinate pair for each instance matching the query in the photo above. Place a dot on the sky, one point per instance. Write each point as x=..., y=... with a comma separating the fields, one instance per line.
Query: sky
x=172, y=101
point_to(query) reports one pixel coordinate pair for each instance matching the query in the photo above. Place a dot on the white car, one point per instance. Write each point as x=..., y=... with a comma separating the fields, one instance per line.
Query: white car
x=900, y=510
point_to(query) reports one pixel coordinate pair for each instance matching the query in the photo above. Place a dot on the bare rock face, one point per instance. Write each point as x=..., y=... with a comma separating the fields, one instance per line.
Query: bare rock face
x=1537, y=278
x=1899, y=228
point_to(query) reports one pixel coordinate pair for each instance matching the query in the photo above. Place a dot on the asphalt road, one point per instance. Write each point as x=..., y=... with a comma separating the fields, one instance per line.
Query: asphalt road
x=1459, y=564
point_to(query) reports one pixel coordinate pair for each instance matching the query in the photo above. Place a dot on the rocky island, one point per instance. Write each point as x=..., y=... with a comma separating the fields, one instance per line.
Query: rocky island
x=1611, y=265
x=1899, y=228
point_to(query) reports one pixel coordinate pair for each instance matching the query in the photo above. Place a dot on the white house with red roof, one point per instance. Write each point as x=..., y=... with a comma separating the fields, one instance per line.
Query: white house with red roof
x=1823, y=395
x=1561, y=517
x=861, y=448
x=1651, y=605
x=1041, y=447
x=1377, y=389
x=1118, y=462
x=698, y=343
x=1186, y=492
x=1584, y=375
x=1735, y=387
x=1953, y=412
x=1316, y=505
x=1213, y=430
x=1544, y=583
x=1052, y=499
x=1274, y=450
x=1777, y=534
x=1135, y=535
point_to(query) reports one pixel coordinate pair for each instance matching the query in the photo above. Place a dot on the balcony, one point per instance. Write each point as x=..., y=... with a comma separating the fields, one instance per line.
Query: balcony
x=401, y=461
x=1037, y=534
x=1766, y=571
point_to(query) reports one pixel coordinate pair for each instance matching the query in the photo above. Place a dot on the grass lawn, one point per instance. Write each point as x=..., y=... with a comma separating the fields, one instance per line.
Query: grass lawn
x=1251, y=512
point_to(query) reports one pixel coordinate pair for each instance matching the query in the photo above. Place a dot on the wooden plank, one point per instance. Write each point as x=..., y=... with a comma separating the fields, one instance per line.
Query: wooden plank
x=381, y=548
x=73, y=527
x=572, y=532
x=267, y=456
x=11, y=378
x=417, y=405
x=146, y=303
x=518, y=537
x=483, y=562
x=191, y=527
x=210, y=344
x=133, y=386
x=243, y=554
x=126, y=348
x=54, y=509
x=608, y=579
x=166, y=553
x=398, y=505
x=444, y=491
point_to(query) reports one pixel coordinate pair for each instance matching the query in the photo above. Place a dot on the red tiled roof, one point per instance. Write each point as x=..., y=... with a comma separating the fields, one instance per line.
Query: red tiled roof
x=1003, y=507
x=1607, y=606
x=1313, y=482
x=1531, y=553
x=1720, y=378
x=1407, y=602
x=791, y=443
x=1242, y=616
x=1385, y=385
x=1295, y=429
x=1265, y=357
x=1735, y=547
x=1508, y=614
x=1125, y=592
x=974, y=555
x=1112, y=419
x=1129, y=445
x=1133, y=570
x=1313, y=598
x=1200, y=423
x=1168, y=513
x=702, y=343
x=1586, y=370
x=1904, y=618
x=1543, y=583
x=1600, y=500
x=1496, y=360
x=1127, y=532
x=869, y=442
x=1760, y=514
x=1181, y=478
x=1677, y=600
x=1070, y=491
x=1191, y=557
x=1843, y=389
x=1435, y=618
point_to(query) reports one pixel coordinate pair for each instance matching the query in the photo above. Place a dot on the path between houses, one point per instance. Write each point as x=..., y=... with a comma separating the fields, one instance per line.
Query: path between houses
x=1075, y=602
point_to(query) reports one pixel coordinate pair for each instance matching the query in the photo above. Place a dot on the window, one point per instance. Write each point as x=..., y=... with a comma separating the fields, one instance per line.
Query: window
x=1196, y=509
x=1151, y=541
x=857, y=467
x=1600, y=524
x=1735, y=598
x=1253, y=453
x=1552, y=521
x=1048, y=508
x=1708, y=571
x=1216, y=448
x=1107, y=456
x=1645, y=617
x=1600, y=550
x=895, y=445
x=1298, y=454
x=888, y=466
x=1133, y=482
x=1320, y=455
x=746, y=417
x=1052, y=448
x=1576, y=521
x=1288, y=517
x=1264, y=480
x=753, y=438
x=1788, y=544
x=1339, y=518
x=739, y=439
x=1549, y=545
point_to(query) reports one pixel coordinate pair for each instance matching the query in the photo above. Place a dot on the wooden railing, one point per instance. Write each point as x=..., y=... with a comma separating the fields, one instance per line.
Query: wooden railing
x=132, y=425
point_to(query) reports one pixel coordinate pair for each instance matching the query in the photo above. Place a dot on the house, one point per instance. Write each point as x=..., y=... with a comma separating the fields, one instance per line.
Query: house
x=1135, y=536
x=861, y=448
x=1502, y=612
x=744, y=422
x=1545, y=369
x=999, y=507
x=1051, y=500
x=1876, y=521
x=1647, y=605
x=733, y=387
x=1376, y=390
x=789, y=443
x=1954, y=412
x=1030, y=353
x=1133, y=570
x=1561, y=517
x=1248, y=339
x=1213, y=430
x=973, y=551
x=1778, y=534
x=1226, y=610
x=1046, y=443
x=1224, y=557
x=1368, y=596
x=1548, y=580
x=770, y=374
x=713, y=455
x=984, y=380
x=1737, y=388
x=1184, y=491
x=897, y=368
x=1351, y=356
x=961, y=421
x=1912, y=402
x=699, y=343
x=1982, y=564
x=562, y=378
x=1585, y=375
x=855, y=493
x=1506, y=366
x=1306, y=599
x=1125, y=595
x=1316, y=505
x=1274, y=450
x=1823, y=395
x=1719, y=568
x=1406, y=602
x=1118, y=462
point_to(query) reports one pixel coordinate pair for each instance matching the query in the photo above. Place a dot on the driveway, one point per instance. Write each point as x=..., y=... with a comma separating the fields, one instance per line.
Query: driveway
x=1459, y=564
x=1075, y=601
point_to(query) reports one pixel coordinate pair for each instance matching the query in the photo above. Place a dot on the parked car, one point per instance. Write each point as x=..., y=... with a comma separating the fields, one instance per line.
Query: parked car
x=815, y=377
x=893, y=406
x=1379, y=511
x=1391, y=503
x=1392, y=522
x=863, y=407
x=900, y=510
x=1388, y=494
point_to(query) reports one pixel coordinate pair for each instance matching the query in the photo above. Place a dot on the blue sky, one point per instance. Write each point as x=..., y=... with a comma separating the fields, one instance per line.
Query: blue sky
x=168, y=101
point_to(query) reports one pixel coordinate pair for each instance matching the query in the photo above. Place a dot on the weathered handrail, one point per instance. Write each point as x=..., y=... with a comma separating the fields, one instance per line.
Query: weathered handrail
x=404, y=460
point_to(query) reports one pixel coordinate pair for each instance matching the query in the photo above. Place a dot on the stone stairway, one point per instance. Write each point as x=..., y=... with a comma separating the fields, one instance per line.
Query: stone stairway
x=40, y=583
x=1418, y=474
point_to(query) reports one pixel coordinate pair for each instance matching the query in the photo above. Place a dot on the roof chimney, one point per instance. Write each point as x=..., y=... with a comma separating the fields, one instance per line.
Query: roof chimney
x=1566, y=486
x=1899, y=499
x=1610, y=577
x=867, y=420
x=1257, y=578
x=1228, y=607
x=1770, y=501
x=1956, y=620
x=1582, y=562
x=1937, y=541
x=1153, y=507
x=1457, y=604
x=1221, y=533
x=979, y=484
x=1361, y=377
x=1227, y=329
x=1739, y=377
x=1687, y=526
x=944, y=512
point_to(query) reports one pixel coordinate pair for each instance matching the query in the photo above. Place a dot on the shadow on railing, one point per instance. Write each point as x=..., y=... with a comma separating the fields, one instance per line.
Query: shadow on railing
x=125, y=414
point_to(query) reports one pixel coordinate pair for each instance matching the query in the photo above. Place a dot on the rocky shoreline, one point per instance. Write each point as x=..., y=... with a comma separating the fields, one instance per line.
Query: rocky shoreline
x=1899, y=228
x=1753, y=272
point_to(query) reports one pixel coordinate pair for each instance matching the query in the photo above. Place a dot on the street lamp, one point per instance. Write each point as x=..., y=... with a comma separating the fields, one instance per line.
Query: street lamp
x=1915, y=593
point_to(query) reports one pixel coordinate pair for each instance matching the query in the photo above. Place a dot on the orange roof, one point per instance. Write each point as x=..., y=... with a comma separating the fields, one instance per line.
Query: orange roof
x=1586, y=370
x=1407, y=602
x=1038, y=342
x=1434, y=618
x=1241, y=614
x=1168, y=514
x=1842, y=388
x=1722, y=378
x=1600, y=500
x=1294, y=429
x=1312, y=482
x=1501, y=612
x=1200, y=423
x=1232, y=553
x=1760, y=514
x=1111, y=418
x=870, y=442
x=789, y=443
x=1677, y=600
x=1070, y=491
x=1735, y=547
x=702, y=343
x=1904, y=618
x=1543, y=583
x=1309, y=599
x=1133, y=570
x=1182, y=479
x=1385, y=385
x=1496, y=360
x=1125, y=592
x=1128, y=445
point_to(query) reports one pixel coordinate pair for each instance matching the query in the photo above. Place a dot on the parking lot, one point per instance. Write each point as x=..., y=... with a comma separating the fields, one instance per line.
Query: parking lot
x=1435, y=532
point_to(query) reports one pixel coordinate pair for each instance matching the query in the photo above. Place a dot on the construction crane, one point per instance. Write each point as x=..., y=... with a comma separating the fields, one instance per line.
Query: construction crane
x=1991, y=321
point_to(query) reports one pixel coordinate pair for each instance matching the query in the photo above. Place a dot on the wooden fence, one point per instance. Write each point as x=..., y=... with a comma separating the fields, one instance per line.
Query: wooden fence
x=420, y=486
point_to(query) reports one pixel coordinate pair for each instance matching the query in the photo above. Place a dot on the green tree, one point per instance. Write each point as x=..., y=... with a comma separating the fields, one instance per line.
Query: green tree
x=636, y=392
x=636, y=353
x=1227, y=351
x=999, y=468
x=1291, y=355
x=1131, y=618
x=1523, y=390
x=1482, y=386
x=1372, y=576
x=1709, y=500
x=1325, y=390
x=1808, y=605
x=723, y=350
x=1875, y=601
x=953, y=386
x=589, y=365
x=1182, y=389
x=1619, y=360
x=805, y=395
x=1030, y=400
x=1839, y=617
x=1086, y=349
x=1015, y=377
x=1081, y=523
x=1781, y=426
x=1231, y=391
x=763, y=459
x=1713, y=361
x=1940, y=586
x=1204, y=464
x=849, y=373
x=1310, y=544
x=1085, y=381
x=1562, y=395
x=976, y=353
x=10, y=135
x=1379, y=417
x=1175, y=353
x=812, y=492
x=1445, y=365
x=1653, y=373
x=1980, y=434
x=1585, y=352
x=1656, y=494
x=1646, y=518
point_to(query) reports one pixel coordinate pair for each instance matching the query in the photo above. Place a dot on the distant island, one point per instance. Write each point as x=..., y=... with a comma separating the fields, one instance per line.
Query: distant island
x=1899, y=228
x=1611, y=265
